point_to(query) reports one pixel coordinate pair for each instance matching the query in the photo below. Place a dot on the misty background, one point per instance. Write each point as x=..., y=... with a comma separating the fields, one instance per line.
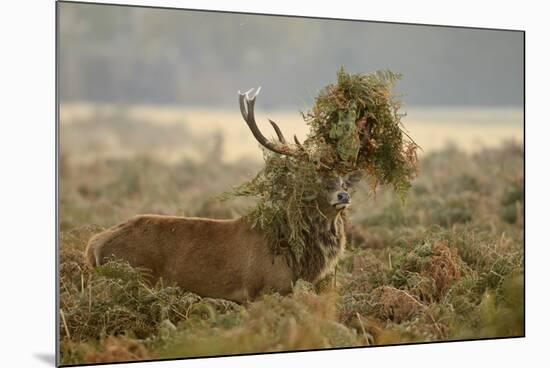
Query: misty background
x=178, y=57
x=163, y=83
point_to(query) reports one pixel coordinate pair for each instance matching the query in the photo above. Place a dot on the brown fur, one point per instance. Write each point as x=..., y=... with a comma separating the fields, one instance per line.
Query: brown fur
x=215, y=258
x=325, y=244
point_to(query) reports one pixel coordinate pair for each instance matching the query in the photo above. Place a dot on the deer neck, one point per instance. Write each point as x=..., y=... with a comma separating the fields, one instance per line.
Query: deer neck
x=325, y=243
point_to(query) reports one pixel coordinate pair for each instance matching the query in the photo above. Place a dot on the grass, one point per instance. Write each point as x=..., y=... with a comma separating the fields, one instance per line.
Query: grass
x=446, y=264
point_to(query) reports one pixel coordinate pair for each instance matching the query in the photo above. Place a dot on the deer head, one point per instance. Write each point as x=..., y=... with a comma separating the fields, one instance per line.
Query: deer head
x=333, y=196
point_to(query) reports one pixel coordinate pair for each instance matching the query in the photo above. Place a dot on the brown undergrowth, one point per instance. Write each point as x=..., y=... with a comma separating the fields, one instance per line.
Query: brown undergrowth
x=446, y=264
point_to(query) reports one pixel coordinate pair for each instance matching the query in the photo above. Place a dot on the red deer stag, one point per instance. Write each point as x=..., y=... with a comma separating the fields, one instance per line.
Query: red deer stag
x=229, y=258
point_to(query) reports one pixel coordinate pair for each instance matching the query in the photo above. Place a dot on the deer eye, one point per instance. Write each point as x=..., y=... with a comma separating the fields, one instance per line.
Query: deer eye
x=332, y=185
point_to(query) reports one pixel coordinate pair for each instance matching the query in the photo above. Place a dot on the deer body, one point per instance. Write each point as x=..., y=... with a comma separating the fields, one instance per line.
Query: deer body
x=230, y=259
x=214, y=258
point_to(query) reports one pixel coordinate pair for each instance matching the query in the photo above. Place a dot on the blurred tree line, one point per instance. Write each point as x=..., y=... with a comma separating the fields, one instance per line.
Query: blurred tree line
x=160, y=56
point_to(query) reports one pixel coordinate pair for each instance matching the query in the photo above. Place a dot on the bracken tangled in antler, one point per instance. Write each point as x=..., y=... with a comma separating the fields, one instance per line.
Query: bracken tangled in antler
x=354, y=125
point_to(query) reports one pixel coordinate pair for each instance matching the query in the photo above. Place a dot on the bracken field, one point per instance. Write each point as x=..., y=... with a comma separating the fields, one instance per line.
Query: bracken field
x=447, y=263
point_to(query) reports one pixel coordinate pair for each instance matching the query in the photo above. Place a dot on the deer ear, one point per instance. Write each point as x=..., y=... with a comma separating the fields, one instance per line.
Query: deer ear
x=353, y=177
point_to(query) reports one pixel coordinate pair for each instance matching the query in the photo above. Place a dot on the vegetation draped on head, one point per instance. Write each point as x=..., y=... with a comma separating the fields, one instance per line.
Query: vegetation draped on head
x=355, y=124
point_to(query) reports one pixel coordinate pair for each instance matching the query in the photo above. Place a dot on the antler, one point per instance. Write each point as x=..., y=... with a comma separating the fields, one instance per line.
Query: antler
x=247, y=111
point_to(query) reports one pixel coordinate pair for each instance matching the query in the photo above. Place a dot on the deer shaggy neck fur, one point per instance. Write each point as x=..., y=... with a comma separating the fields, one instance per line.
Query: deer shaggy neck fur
x=325, y=243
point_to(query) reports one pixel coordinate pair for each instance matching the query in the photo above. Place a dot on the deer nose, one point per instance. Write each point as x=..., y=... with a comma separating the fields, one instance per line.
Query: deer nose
x=343, y=197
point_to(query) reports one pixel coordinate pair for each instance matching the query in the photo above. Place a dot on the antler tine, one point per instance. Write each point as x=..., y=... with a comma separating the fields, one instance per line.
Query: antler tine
x=242, y=97
x=247, y=112
x=247, y=102
x=278, y=131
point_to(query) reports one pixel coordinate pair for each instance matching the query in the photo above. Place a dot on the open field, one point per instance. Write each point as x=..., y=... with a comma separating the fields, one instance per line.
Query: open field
x=445, y=264
x=432, y=129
